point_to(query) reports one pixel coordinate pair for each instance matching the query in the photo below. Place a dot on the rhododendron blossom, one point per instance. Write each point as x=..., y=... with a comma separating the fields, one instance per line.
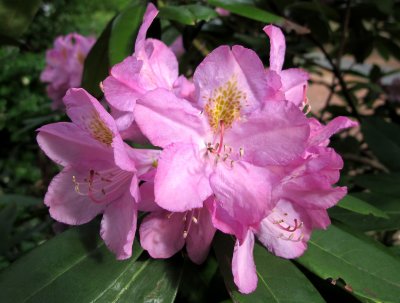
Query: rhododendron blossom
x=64, y=65
x=99, y=174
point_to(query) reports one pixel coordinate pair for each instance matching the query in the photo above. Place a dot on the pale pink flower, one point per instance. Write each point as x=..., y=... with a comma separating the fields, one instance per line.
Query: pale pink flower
x=99, y=174
x=288, y=84
x=153, y=65
x=177, y=46
x=222, y=12
x=215, y=148
x=64, y=65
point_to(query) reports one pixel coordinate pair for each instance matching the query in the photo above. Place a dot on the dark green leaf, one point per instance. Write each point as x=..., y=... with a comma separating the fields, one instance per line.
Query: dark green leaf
x=16, y=15
x=359, y=206
x=187, y=14
x=8, y=214
x=383, y=138
x=97, y=63
x=369, y=272
x=274, y=276
x=124, y=31
x=387, y=184
x=73, y=267
x=20, y=200
x=247, y=10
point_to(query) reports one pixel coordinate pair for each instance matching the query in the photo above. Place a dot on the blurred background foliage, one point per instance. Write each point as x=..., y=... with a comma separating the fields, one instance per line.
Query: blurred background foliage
x=350, y=47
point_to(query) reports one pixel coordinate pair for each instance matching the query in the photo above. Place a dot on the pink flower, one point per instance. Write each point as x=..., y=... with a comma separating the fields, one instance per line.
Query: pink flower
x=99, y=174
x=177, y=46
x=153, y=65
x=64, y=65
x=222, y=12
x=215, y=148
x=164, y=233
x=288, y=84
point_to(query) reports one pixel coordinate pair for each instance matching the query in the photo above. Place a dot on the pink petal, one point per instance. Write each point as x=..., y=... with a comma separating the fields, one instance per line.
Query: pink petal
x=294, y=81
x=122, y=87
x=320, y=134
x=243, y=203
x=289, y=243
x=277, y=47
x=319, y=218
x=275, y=135
x=65, y=143
x=243, y=267
x=118, y=226
x=200, y=236
x=147, y=202
x=66, y=204
x=241, y=66
x=161, y=234
x=181, y=181
x=148, y=18
x=145, y=159
x=164, y=119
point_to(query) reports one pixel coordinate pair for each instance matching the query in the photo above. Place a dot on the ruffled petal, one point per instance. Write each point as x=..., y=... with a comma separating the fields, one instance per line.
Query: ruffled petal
x=241, y=67
x=166, y=119
x=243, y=190
x=181, y=181
x=161, y=234
x=294, y=81
x=243, y=267
x=118, y=226
x=276, y=135
x=200, y=236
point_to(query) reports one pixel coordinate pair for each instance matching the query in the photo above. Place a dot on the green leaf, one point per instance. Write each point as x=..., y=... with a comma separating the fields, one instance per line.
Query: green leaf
x=16, y=15
x=274, y=276
x=187, y=14
x=387, y=184
x=97, y=63
x=124, y=31
x=247, y=10
x=390, y=205
x=20, y=200
x=8, y=214
x=72, y=267
x=383, y=139
x=369, y=272
x=359, y=206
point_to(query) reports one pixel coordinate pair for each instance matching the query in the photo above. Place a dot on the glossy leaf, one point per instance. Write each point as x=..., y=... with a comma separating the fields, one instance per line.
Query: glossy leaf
x=247, y=10
x=97, y=63
x=274, y=276
x=390, y=205
x=75, y=266
x=383, y=138
x=187, y=14
x=124, y=31
x=367, y=270
x=359, y=206
x=16, y=15
x=387, y=184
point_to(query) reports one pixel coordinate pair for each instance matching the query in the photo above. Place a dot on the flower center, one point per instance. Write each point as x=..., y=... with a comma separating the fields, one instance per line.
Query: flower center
x=224, y=105
x=101, y=186
x=99, y=130
x=291, y=231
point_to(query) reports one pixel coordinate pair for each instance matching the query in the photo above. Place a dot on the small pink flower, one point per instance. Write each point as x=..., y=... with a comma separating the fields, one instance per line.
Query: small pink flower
x=99, y=174
x=153, y=65
x=64, y=65
x=222, y=12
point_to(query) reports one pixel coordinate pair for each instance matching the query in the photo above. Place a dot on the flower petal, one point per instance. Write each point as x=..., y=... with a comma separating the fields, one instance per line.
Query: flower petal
x=243, y=267
x=277, y=47
x=65, y=143
x=200, y=236
x=148, y=18
x=118, y=226
x=66, y=204
x=181, y=181
x=166, y=119
x=161, y=234
x=289, y=243
x=147, y=202
x=241, y=66
x=275, y=135
x=294, y=81
x=243, y=190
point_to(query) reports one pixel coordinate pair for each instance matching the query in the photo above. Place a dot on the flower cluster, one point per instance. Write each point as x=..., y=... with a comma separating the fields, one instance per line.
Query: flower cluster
x=237, y=153
x=64, y=65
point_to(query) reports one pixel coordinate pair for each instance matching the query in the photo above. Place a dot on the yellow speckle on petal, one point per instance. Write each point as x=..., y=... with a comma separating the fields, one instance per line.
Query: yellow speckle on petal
x=99, y=130
x=225, y=104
